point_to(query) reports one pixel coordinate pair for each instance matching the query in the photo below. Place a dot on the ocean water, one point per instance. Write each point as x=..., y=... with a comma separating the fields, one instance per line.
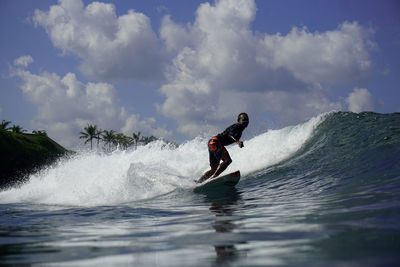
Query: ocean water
x=323, y=193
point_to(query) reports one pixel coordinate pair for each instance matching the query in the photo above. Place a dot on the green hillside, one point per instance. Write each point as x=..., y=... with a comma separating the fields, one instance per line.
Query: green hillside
x=21, y=154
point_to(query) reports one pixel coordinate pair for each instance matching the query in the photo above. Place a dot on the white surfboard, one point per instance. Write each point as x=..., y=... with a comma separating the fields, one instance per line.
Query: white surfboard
x=230, y=179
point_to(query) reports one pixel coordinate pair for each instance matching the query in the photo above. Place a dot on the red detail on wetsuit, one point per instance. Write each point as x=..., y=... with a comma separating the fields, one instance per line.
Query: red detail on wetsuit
x=213, y=144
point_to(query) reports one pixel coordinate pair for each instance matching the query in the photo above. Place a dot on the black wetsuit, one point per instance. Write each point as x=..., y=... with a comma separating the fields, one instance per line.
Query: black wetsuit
x=231, y=134
x=216, y=144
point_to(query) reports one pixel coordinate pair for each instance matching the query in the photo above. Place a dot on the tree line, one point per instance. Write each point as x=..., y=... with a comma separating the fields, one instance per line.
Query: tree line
x=18, y=129
x=112, y=140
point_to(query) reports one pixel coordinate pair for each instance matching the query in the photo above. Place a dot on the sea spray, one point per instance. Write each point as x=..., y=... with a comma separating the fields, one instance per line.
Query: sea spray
x=334, y=201
x=272, y=147
x=92, y=178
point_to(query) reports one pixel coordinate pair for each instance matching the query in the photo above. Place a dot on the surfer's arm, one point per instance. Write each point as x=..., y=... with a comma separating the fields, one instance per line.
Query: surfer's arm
x=240, y=143
x=233, y=138
x=234, y=132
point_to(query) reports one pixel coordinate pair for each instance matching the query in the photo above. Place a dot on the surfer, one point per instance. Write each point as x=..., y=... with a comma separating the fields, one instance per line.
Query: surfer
x=217, y=150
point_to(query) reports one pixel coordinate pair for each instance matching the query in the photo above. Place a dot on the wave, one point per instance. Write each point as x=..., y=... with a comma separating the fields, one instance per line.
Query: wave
x=327, y=151
x=348, y=153
x=90, y=179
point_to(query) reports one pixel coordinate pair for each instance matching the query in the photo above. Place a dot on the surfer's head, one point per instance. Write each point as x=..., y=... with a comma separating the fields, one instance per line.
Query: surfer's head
x=243, y=119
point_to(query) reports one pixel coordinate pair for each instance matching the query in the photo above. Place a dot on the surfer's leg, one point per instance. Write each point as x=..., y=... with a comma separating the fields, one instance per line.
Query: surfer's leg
x=226, y=160
x=208, y=174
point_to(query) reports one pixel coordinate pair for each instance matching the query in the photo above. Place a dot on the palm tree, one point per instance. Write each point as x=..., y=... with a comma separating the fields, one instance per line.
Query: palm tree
x=148, y=139
x=4, y=124
x=90, y=132
x=136, y=138
x=98, y=136
x=17, y=129
x=123, y=140
x=109, y=138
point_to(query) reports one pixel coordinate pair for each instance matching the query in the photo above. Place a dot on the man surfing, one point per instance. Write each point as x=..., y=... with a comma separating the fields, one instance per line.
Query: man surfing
x=217, y=150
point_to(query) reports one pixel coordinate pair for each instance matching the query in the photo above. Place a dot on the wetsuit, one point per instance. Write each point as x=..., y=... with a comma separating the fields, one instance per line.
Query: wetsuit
x=216, y=144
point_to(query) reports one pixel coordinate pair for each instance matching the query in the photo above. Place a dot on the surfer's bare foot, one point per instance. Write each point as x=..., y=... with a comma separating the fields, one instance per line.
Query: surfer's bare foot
x=214, y=176
x=200, y=180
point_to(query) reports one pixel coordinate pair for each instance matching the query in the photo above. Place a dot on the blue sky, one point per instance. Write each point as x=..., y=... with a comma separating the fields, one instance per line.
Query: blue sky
x=181, y=69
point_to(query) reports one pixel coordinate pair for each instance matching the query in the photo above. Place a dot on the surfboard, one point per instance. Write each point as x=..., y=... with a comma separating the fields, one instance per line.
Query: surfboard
x=230, y=179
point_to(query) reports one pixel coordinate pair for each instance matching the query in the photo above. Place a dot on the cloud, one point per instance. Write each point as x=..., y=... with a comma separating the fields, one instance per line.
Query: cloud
x=361, y=100
x=148, y=126
x=221, y=67
x=110, y=47
x=338, y=55
x=65, y=106
x=214, y=68
x=23, y=61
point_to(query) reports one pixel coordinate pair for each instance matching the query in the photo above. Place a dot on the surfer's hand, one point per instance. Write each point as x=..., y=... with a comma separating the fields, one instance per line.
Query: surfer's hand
x=240, y=144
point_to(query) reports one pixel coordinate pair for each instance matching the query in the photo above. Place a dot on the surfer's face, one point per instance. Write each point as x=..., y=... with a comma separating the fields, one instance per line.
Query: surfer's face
x=243, y=120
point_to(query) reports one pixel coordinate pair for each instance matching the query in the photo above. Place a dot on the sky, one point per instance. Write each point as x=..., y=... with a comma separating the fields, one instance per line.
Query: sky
x=182, y=69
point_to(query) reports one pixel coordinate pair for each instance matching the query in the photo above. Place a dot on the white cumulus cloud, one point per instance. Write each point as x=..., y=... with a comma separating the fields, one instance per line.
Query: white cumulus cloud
x=213, y=68
x=23, y=61
x=340, y=54
x=65, y=106
x=110, y=46
x=361, y=100
x=221, y=67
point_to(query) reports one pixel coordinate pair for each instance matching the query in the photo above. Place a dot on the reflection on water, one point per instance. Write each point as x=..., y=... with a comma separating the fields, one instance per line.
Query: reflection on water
x=224, y=203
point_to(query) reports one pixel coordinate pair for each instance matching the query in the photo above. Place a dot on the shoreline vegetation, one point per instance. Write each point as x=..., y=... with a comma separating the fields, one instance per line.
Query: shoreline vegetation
x=111, y=140
x=23, y=153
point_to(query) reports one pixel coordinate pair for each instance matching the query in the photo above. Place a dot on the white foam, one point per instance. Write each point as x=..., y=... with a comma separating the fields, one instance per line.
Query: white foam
x=91, y=179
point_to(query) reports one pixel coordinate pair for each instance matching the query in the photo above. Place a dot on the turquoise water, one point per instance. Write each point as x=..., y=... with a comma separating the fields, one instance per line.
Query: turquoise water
x=324, y=193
